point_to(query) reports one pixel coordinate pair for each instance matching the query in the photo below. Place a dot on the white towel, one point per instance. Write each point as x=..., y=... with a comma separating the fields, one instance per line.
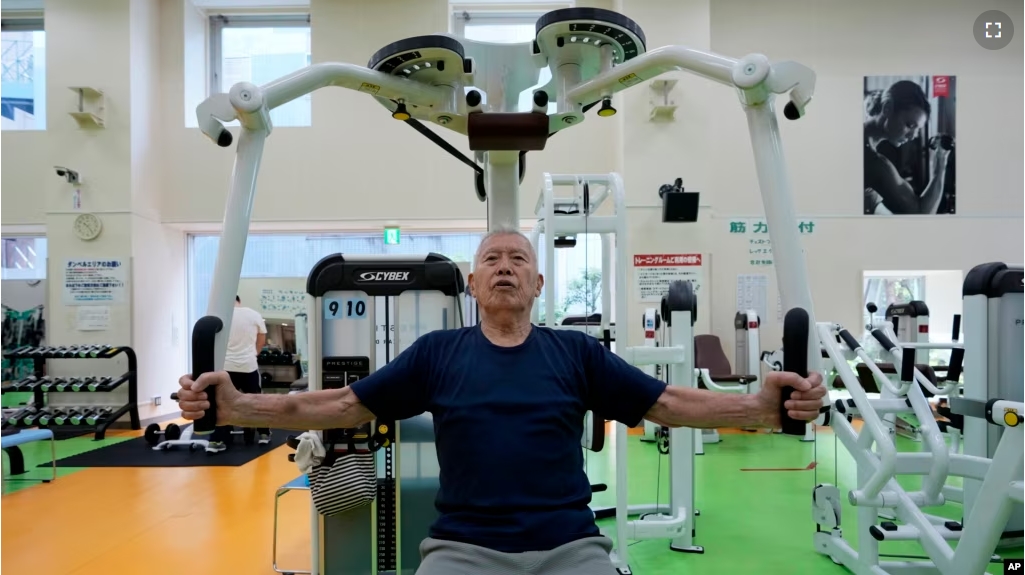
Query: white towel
x=310, y=452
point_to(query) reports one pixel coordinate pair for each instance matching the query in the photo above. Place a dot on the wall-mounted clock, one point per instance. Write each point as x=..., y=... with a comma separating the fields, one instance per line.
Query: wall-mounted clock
x=88, y=226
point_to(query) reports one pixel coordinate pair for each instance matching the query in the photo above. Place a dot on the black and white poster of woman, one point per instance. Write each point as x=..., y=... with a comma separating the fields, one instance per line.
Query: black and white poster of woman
x=909, y=145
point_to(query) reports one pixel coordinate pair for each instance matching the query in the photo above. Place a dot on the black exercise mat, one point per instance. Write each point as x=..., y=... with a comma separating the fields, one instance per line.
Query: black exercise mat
x=137, y=453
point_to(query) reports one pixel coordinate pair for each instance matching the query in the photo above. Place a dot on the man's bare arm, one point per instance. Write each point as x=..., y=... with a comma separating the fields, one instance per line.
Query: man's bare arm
x=704, y=409
x=325, y=409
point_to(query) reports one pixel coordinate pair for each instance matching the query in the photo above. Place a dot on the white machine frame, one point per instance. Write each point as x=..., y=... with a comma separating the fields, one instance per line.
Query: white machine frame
x=679, y=524
x=654, y=523
x=878, y=489
x=652, y=323
x=754, y=78
x=584, y=73
x=748, y=352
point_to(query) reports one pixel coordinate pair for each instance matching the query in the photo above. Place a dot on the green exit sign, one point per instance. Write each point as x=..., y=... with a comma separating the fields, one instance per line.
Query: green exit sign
x=391, y=236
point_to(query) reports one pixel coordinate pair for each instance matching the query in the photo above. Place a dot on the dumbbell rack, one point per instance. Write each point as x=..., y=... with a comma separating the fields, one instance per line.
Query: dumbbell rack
x=130, y=377
x=278, y=369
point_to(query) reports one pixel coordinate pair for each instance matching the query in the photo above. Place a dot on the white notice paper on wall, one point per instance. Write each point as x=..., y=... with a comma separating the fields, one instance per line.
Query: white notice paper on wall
x=287, y=302
x=92, y=318
x=753, y=293
x=654, y=272
x=88, y=282
x=779, y=309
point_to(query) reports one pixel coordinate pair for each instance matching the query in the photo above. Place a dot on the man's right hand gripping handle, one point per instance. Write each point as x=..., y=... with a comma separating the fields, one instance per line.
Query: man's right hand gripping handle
x=795, y=359
x=203, y=335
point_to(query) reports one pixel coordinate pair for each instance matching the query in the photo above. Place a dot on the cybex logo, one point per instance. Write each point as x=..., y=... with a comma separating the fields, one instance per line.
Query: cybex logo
x=384, y=276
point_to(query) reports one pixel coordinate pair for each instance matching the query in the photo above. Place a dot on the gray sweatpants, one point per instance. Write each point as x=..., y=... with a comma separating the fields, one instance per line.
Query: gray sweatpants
x=588, y=556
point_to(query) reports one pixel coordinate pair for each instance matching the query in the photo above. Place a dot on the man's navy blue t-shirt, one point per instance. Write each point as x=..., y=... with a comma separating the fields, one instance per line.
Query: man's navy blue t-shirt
x=508, y=423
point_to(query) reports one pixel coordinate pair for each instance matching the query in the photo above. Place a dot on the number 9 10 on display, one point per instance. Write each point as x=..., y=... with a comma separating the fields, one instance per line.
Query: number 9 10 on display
x=345, y=309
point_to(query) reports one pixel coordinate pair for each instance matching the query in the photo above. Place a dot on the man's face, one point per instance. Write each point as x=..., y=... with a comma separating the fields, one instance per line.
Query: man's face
x=506, y=276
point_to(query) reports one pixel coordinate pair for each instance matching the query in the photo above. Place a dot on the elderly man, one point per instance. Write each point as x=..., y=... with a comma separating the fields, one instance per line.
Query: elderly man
x=508, y=400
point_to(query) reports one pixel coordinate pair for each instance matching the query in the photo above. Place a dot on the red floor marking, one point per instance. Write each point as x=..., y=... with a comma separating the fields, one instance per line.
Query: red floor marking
x=810, y=467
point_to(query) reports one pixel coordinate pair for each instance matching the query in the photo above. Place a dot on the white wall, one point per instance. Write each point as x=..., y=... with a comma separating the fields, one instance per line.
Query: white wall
x=250, y=291
x=113, y=46
x=355, y=161
x=709, y=145
x=147, y=169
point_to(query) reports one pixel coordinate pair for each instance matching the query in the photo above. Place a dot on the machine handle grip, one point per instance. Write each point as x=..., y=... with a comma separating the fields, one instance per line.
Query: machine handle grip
x=851, y=342
x=203, y=335
x=957, y=328
x=956, y=361
x=882, y=339
x=795, y=360
x=907, y=365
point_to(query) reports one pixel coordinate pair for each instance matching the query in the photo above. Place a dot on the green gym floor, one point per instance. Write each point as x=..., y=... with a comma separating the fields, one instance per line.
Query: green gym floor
x=750, y=521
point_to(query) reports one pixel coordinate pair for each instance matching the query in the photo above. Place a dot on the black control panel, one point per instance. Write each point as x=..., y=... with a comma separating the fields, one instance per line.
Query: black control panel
x=338, y=372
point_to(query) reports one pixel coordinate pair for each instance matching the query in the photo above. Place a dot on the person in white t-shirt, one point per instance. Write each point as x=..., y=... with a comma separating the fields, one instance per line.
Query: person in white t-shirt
x=247, y=337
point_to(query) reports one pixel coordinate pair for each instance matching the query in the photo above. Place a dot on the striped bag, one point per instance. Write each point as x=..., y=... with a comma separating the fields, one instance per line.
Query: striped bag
x=343, y=483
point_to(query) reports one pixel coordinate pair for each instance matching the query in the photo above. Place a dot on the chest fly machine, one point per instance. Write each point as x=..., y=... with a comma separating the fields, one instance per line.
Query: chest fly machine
x=472, y=88
x=347, y=296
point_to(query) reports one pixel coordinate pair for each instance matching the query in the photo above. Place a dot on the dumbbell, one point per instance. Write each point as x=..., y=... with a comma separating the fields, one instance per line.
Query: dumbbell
x=62, y=417
x=27, y=383
x=99, y=350
x=23, y=350
x=43, y=385
x=31, y=418
x=78, y=418
x=51, y=417
x=51, y=383
x=82, y=383
x=105, y=383
x=98, y=415
x=17, y=416
x=66, y=384
x=944, y=141
x=155, y=435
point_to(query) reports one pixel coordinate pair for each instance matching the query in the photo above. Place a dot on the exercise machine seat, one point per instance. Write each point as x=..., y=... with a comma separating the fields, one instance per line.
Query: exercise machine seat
x=708, y=354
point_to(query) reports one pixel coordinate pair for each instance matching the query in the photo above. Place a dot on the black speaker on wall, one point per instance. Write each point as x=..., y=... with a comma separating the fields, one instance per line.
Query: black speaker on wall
x=678, y=205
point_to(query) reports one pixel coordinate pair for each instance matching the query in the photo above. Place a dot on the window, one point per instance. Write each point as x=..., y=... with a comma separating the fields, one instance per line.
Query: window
x=503, y=27
x=943, y=299
x=260, y=49
x=23, y=78
x=24, y=258
x=294, y=255
x=577, y=280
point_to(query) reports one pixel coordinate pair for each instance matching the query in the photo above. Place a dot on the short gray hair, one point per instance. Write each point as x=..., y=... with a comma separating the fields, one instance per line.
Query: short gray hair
x=503, y=230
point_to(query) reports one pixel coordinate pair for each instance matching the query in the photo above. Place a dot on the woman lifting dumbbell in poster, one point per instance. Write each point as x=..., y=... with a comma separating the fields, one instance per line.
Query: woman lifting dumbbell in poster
x=908, y=145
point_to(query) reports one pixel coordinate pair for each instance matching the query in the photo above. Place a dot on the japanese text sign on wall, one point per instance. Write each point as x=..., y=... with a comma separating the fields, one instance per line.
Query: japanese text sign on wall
x=654, y=272
x=759, y=227
x=91, y=281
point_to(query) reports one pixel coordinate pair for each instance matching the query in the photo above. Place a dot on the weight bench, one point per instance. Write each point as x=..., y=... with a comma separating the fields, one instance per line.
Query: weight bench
x=299, y=483
x=10, y=443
